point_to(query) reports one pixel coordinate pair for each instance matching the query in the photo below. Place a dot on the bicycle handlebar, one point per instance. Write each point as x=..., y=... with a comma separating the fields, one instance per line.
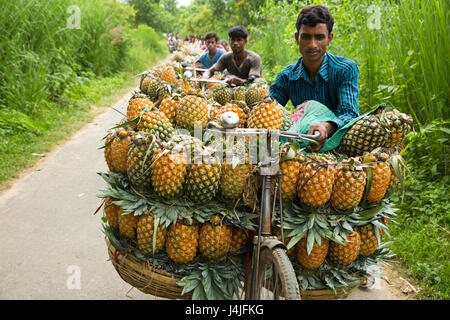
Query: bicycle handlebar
x=213, y=126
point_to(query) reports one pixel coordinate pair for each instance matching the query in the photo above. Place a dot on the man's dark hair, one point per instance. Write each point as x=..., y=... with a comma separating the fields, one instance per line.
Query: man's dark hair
x=313, y=15
x=211, y=35
x=238, y=32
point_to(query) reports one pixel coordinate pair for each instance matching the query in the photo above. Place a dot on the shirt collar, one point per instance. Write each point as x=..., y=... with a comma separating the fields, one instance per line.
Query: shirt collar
x=299, y=71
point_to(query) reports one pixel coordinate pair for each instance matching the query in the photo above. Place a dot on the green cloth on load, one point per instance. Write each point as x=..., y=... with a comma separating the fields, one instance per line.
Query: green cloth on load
x=316, y=112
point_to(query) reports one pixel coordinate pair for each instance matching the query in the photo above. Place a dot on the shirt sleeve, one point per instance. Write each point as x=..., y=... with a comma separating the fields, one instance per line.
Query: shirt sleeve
x=219, y=65
x=256, y=67
x=278, y=89
x=201, y=58
x=348, y=94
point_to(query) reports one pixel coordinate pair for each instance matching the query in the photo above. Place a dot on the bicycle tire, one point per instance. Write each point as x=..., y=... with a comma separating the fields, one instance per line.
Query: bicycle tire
x=284, y=272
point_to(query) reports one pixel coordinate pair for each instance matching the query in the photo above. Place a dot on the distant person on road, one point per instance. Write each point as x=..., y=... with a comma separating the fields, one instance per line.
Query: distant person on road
x=210, y=57
x=243, y=66
x=224, y=45
x=319, y=77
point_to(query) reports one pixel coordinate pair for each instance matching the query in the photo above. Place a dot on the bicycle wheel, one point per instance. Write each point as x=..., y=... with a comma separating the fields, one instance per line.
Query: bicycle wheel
x=276, y=279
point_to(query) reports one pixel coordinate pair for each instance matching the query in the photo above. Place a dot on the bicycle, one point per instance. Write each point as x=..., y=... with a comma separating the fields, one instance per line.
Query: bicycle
x=271, y=274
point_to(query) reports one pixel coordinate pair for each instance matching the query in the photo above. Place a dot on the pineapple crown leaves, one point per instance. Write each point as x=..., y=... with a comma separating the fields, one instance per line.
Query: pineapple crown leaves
x=213, y=280
x=298, y=225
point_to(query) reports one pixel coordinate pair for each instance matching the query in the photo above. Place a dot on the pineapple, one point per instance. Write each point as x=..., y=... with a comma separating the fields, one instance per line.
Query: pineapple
x=290, y=170
x=168, y=173
x=182, y=241
x=169, y=107
x=168, y=74
x=139, y=160
x=127, y=224
x=349, y=185
x=118, y=150
x=156, y=123
x=399, y=125
x=316, y=181
x=202, y=181
x=111, y=213
x=316, y=257
x=214, y=239
x=233, y=180
x=345, y=254
x=145, y=83
x=381, y=176
x=153, y=89
x=366, y=134
x=136, y=105
x=145, y=231
x=192, y=109
x=239, y=238
x=107, y=151
x=191, y=146
x=369, y=242
x=236, y=109
x=239, y=93
x=252, y=96
x=263, y=92
x=286, y=119
x=223, y=95
x=266, y=115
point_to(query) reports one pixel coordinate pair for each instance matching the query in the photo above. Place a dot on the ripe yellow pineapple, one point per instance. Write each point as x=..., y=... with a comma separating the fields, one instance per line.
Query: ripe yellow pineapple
x=168, y=173
x=290, y=170
x=107, y=150
x=135, y=106
x=169, y=107
x=381, y=175
x=233, y=108
x=145, y=230
x=344, y=255
x=348, y=189
x=168, y=74
x=316, y=181
x=111, y=213
x=316, y=257
x=192, y=109
x=369, y=242
x=266, y=115
x=127, y=224
x=215, y=239
x=233, y=180
x=182, y=241
x=118, y=150
x=239, y=238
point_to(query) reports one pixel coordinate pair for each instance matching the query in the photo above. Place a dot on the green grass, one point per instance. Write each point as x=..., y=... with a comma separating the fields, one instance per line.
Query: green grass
x=422, y=236
x=23, y=146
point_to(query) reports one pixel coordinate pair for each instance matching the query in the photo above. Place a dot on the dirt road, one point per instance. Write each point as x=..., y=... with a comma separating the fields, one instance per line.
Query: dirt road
x=51, y=244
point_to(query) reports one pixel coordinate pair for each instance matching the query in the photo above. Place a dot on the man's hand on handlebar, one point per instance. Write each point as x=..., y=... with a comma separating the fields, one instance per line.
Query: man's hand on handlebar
x=326, y=130
x=230, y=79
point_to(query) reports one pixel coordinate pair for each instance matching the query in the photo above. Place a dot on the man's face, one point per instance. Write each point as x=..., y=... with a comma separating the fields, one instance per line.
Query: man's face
x=313, y=41
x=211, y=44
x=237, y=44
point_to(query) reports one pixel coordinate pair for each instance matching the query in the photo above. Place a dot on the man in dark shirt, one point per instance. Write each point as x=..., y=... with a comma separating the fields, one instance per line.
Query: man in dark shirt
x=318, y=75
x=242, y=65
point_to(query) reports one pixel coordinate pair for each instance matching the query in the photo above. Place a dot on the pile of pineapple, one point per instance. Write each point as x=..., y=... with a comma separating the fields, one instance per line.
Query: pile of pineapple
x=191, y=217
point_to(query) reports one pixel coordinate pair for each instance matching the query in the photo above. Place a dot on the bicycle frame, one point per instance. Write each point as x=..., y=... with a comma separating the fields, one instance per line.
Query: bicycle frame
x=264, y=237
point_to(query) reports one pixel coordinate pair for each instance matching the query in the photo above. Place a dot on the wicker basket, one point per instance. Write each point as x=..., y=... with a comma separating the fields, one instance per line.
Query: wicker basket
x=143, y=276
x=160, y=283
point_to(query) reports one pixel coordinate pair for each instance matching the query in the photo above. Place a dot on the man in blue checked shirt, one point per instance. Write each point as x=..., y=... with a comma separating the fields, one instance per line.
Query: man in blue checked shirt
x=319, y=75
